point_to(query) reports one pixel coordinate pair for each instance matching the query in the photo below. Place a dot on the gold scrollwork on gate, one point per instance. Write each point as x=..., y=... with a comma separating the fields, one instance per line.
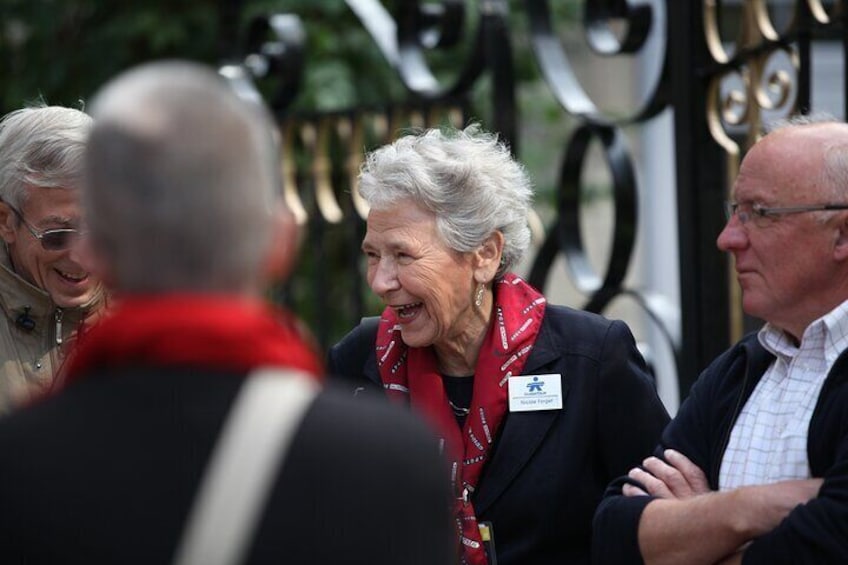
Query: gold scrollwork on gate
x=316, y=142
x=324, y=154
x=350, y=133
x=291, y=194
x=756, y=63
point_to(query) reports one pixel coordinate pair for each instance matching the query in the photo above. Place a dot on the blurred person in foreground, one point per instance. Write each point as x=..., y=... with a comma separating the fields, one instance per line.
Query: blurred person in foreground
x=46, y=294
x=754, y=467
x=538, y=406
x=187, y=225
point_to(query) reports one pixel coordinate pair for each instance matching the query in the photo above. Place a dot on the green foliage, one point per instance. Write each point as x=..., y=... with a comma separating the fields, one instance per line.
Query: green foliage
x=62, y=51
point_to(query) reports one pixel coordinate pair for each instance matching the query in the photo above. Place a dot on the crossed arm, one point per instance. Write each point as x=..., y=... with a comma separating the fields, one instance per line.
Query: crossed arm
x=689, y=523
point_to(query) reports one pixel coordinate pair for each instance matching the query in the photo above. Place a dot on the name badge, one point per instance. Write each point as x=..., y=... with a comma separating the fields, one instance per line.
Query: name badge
x=535, y=392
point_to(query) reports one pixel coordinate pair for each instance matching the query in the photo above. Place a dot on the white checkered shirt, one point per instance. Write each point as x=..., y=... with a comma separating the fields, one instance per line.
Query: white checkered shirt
x=769, y=439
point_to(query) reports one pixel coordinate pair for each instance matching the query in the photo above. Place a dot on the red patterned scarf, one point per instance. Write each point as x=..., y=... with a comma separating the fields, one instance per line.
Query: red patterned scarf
x=218, y=332
x=412, y=375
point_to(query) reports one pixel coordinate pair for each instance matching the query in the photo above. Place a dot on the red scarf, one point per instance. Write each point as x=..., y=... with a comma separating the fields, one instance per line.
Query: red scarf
x=218, y=332
x=412, y=375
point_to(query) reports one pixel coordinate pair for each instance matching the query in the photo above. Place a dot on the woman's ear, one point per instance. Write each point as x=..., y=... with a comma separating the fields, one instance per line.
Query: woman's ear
x=488, y=257
x=285, y=242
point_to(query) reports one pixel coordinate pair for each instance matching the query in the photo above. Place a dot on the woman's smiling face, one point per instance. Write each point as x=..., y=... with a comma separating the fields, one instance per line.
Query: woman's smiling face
x=429, y=285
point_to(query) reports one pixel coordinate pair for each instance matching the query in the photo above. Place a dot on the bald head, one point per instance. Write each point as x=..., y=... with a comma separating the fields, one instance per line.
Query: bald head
x=182, y=179
x=812, y=156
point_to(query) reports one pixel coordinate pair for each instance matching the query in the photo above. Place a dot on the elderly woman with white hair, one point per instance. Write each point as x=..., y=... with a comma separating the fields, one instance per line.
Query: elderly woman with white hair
x=538, y=407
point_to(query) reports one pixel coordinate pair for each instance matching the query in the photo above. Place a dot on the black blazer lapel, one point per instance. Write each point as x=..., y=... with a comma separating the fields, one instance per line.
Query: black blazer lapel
x=522, y=435
x=522, y=432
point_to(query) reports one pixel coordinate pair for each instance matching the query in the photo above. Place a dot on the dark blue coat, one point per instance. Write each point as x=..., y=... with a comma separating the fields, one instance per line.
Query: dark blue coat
x=816, y=532
x=549, y=469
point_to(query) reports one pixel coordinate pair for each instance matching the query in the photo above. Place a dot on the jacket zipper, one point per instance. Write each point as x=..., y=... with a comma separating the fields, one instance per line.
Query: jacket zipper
x=58, y=318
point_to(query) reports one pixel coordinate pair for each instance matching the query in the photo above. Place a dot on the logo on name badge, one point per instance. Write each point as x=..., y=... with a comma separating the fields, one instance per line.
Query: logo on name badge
x=536, y=385
x=535, y=392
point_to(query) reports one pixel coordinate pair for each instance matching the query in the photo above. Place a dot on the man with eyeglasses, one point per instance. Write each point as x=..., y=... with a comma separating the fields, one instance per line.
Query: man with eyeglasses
x=46, y=294
x=754, y=467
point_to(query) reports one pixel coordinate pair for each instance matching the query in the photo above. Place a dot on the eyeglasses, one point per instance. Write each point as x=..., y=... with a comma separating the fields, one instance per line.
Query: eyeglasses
x=57, y=239
x=747, y=211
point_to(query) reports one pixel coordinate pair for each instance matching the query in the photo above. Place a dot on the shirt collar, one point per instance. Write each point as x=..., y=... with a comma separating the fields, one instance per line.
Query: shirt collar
x=829, y=332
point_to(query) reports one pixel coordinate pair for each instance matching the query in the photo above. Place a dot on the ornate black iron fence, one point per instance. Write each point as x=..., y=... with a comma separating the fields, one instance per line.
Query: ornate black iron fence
x=721, y=68
x=733, y=67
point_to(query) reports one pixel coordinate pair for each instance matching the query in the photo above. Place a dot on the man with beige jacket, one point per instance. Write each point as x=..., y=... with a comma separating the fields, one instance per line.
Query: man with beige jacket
x=45, y=293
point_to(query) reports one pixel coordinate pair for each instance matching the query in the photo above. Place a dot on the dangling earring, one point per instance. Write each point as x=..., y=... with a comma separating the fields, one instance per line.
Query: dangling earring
x=478, y=297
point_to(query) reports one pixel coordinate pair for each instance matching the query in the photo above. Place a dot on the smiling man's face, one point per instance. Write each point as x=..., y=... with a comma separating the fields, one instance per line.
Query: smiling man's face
x=59, y=273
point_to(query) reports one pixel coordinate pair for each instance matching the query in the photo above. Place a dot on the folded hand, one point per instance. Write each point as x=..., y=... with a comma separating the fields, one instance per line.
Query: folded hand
x=676, y=477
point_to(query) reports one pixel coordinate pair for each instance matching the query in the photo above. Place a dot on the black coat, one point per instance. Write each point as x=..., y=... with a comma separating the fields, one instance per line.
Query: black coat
x=105, y=473
x=548, y=469
x=816, y=532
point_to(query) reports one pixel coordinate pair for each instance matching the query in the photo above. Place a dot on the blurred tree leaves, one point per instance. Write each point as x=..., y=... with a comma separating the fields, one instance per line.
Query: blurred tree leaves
x=62, y=50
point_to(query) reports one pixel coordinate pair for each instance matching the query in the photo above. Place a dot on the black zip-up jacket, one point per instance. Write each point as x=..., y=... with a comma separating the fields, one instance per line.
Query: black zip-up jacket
x=816, y=532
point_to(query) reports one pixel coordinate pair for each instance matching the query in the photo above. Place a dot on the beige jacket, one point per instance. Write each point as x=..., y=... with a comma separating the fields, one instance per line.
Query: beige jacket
x=34, y=336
